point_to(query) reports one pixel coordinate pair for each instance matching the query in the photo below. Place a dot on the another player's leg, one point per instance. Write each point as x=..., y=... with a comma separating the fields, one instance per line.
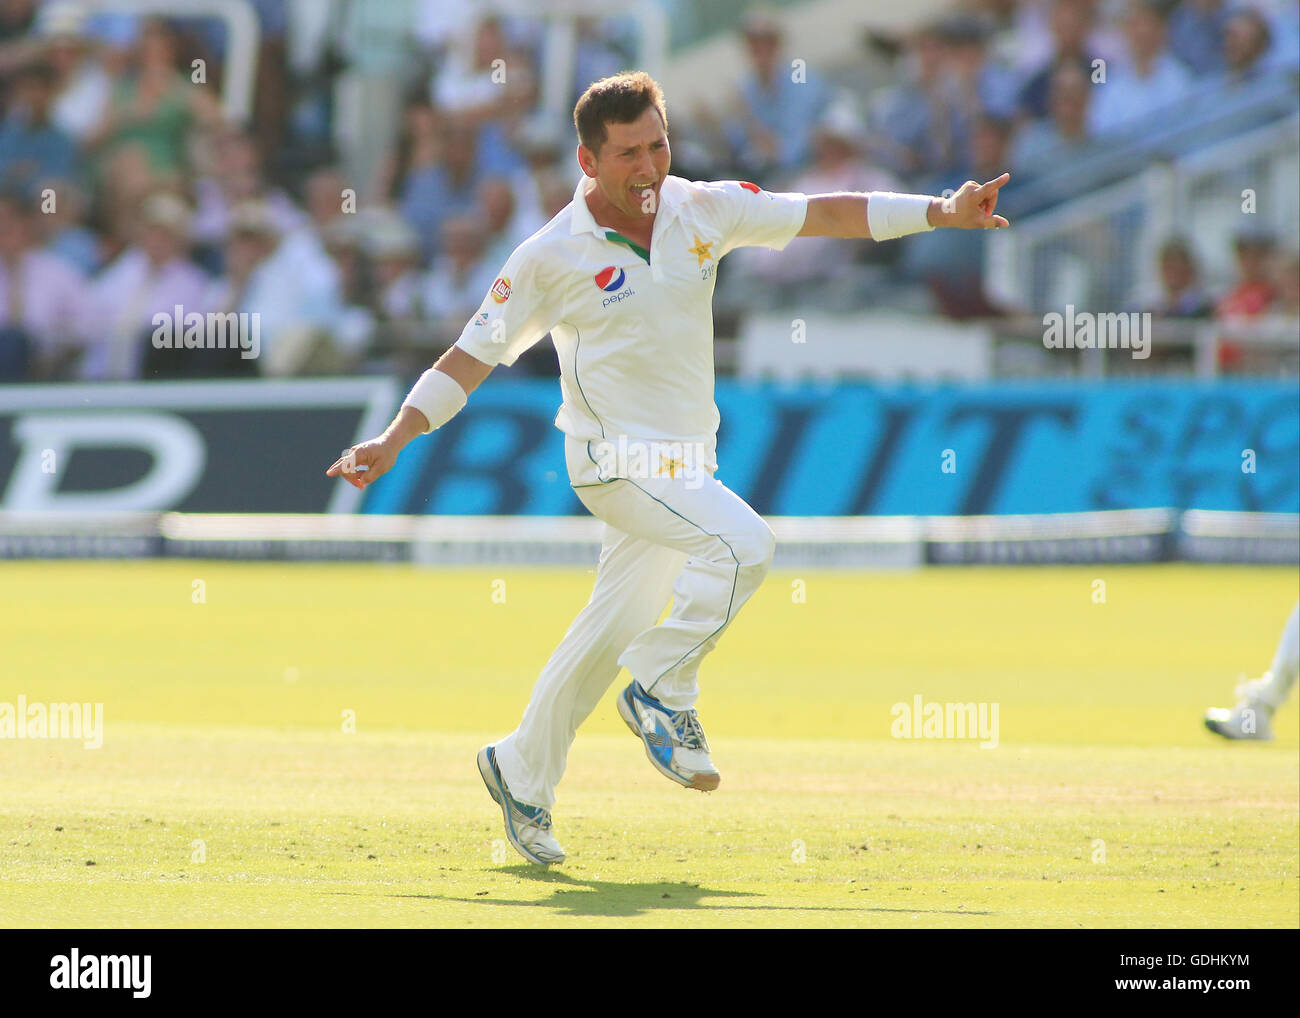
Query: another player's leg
x=1252, y=716
x=633, y=583
x=730, y=549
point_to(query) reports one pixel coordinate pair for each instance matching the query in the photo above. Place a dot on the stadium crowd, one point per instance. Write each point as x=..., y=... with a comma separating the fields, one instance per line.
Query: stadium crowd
x=386, y=171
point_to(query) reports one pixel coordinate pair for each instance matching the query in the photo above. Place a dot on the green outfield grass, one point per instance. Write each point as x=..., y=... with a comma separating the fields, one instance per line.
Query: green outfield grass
x=227, y=791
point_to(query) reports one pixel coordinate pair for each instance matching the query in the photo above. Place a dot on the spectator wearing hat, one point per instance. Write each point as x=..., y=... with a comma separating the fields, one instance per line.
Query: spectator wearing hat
x=82, y=82
x=819, y=269
x=295, y=311
x=152, y=276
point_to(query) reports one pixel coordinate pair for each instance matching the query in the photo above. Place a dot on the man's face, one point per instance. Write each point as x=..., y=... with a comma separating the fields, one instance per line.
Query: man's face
x=631, y=165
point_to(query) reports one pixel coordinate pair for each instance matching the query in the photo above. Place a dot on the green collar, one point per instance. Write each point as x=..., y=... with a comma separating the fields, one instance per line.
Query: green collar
x=618, y=238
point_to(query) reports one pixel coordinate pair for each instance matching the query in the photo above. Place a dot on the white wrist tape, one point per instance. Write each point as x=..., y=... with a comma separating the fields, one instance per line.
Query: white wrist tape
x=891, y=215
x=438, y=396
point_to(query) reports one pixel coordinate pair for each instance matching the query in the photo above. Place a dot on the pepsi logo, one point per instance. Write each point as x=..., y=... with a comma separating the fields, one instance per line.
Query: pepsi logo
x=611, y=278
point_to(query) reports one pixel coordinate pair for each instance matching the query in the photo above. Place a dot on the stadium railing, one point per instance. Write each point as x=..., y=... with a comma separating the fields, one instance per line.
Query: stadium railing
x=850, y=542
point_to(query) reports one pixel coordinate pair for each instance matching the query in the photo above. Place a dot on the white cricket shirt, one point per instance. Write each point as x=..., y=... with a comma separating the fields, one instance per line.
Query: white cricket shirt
x=634, y=338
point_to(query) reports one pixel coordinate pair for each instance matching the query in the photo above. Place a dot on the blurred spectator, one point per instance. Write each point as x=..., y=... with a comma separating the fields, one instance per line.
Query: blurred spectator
x=1072, y=26
x=1181, y=294
x=84, y=83
x=432, y=193
x=1146, y=81
x=507, y=225
x=42, y=299
x=596, y=57
x=460, y=277
x=1021, y=38
x=1246, y=41
x=759, y=276
x=1043, y=145
x=1253, y=292
x=771, y=121
x=32, y=147
x=925, y=128
x=471, y=81
x=1286, y=286
x=294, y=312
x=1196, y=29
x=354, y=324
x=1252, y=295
x=236, y=179
x=394, y=253
x=63, y=230
x=152, y=276
x=374, y=51
x=302, y=244
x=982, y=85
x=951, y=262
x=156, y=107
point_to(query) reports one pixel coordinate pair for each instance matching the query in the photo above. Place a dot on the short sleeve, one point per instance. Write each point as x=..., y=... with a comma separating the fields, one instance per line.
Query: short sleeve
x=752, y=217
x=517, y=311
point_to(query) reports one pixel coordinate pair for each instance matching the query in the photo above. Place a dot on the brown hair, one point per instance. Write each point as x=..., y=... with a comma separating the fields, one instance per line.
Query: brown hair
x=619, y=99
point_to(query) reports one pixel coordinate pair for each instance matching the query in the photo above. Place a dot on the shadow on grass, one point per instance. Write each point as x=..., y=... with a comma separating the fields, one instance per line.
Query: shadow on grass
x=573, y=896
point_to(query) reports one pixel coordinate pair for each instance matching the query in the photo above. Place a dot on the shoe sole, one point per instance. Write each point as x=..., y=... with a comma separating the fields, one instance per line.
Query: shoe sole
x=701, y=782
x=488, y=774
x=1220, y=729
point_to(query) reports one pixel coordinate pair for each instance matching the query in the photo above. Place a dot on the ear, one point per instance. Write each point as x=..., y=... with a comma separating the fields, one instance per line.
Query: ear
x=587, y=160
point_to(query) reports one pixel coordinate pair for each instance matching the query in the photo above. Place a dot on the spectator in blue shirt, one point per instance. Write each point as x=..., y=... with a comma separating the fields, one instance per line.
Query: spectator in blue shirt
x=32, y=148
x=1196, y=30
x=778, y=107
x=1148, y=80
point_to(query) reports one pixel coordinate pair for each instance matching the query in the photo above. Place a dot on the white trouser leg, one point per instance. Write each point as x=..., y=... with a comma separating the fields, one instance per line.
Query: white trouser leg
x=730, y=549
x=1286, y=662
x=633, y=583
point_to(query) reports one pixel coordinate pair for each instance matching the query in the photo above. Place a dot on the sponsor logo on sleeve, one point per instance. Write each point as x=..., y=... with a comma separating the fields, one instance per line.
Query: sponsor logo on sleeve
x=501, y=290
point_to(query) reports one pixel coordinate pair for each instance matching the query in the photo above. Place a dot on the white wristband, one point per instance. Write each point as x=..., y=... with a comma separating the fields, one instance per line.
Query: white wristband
x=891, y=215
x=438, y=396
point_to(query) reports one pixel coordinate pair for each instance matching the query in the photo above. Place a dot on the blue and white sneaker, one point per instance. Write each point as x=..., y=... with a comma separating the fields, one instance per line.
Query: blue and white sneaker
x=674, y=740
x=527, y=827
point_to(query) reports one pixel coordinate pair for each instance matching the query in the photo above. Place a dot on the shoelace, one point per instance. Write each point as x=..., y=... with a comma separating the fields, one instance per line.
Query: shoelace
x=542, y=817
x=690, y=733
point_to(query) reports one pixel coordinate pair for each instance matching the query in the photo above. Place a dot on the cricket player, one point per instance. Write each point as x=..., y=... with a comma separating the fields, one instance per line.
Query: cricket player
x=1252, y=716
x=622, y=279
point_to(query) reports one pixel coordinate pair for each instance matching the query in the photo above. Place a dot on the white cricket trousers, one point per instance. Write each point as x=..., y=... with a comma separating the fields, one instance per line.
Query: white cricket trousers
x=695, y=541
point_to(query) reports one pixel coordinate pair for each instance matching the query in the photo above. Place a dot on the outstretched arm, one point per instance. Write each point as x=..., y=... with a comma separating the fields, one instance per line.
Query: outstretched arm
x=365, y=463
x=852, y=215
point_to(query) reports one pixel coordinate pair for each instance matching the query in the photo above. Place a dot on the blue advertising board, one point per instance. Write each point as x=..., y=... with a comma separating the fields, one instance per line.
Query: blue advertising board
x=860, y=449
